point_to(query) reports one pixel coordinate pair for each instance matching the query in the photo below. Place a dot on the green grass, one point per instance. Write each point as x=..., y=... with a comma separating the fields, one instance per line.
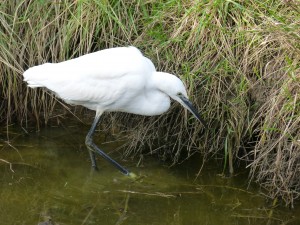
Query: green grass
x=239, y=60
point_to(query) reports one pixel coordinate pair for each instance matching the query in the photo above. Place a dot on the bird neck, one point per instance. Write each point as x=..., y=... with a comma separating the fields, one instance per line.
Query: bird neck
x=165, y=82
x=161, y=81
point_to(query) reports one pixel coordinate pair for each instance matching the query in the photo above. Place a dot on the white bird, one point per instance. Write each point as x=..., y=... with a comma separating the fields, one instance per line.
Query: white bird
x=116, y=79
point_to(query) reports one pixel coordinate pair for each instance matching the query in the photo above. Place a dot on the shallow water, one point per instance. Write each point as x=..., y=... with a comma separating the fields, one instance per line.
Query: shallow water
x=52, y=181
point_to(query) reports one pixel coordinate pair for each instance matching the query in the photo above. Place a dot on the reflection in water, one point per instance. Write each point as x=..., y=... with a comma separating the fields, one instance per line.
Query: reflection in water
x=53, y=183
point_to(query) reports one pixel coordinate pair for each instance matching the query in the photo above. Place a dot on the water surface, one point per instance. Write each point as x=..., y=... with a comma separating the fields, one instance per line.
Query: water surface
x=50, y=179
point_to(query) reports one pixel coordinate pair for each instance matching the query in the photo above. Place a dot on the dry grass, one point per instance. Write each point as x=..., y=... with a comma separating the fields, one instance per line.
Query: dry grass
x=239, y=59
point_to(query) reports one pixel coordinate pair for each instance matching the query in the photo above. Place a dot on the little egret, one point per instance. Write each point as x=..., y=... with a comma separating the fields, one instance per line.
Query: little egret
x=116, y=79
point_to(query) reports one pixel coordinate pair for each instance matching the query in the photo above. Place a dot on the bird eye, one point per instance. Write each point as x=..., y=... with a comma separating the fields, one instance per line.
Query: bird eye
x=179, y=94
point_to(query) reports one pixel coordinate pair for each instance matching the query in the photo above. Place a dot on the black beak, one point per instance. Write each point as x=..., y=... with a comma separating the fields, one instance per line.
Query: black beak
x=192, y=109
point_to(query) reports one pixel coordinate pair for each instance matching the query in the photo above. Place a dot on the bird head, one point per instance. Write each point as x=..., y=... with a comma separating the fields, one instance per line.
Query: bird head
x=174, y=87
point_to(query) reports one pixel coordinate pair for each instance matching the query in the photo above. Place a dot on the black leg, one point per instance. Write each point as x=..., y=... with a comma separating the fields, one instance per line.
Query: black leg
x=92, y=147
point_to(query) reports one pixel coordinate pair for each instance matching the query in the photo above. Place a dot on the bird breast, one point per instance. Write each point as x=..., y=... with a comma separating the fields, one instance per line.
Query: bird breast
x=132, y=94
x=148, y=103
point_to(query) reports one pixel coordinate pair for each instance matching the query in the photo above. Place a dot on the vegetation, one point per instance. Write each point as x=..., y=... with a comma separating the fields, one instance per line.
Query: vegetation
x=239, y=59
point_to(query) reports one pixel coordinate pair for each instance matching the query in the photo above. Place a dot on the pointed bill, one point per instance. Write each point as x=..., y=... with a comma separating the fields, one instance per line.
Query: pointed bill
x=187, y=104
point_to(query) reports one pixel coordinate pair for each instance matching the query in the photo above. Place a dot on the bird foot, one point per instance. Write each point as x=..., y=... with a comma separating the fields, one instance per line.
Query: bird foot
x=132, y=175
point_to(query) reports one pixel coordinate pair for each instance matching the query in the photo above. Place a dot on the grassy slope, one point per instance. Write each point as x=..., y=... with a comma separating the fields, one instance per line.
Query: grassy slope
x=239, y=59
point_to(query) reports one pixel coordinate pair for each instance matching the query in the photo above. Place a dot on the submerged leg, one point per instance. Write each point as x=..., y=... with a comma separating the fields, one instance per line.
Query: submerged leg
x=93, y=159
x=92, y=147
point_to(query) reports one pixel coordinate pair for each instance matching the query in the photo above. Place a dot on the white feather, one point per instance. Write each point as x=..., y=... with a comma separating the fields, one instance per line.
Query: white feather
x=115, y=79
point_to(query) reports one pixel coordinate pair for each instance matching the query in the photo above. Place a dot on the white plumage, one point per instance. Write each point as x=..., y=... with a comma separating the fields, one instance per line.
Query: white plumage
x=115, y=79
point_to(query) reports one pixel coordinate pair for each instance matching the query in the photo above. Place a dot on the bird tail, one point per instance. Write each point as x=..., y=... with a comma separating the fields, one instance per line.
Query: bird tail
x=36, y=76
